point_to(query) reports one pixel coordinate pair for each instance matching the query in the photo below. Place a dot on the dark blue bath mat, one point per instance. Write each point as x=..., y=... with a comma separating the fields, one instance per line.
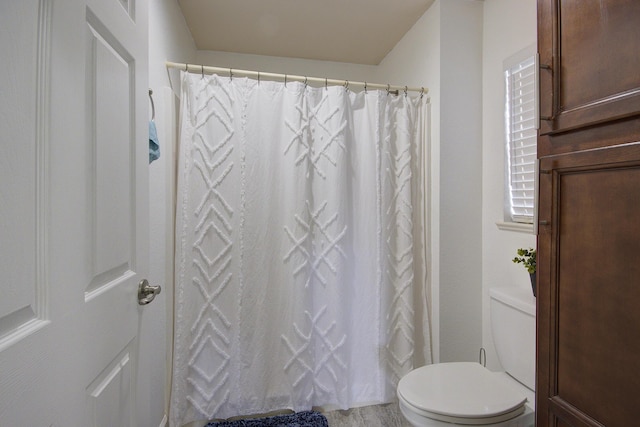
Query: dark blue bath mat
x=299, y=419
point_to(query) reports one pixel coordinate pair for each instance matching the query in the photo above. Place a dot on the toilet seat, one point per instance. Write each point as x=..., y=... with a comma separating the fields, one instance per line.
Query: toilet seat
x=460, y=393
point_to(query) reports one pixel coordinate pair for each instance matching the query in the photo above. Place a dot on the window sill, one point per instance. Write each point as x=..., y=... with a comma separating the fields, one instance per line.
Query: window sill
x=515, y=226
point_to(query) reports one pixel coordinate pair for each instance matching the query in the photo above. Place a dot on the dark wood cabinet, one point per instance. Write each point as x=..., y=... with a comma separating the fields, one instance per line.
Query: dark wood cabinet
x=588, y=304
x=589, y=57
x=588, y=361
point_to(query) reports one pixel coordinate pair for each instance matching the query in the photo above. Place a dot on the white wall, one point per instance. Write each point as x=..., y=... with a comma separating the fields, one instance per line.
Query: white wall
x=447, y=60
x=169, y=39
x=509, y=26
x=455, y=49
x=460, y=180
x=443, y=51
x=302, y=67
x=415, y=61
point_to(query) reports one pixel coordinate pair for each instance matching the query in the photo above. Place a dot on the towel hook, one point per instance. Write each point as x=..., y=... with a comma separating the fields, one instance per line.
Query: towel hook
x=482, y=357
x=153, y=107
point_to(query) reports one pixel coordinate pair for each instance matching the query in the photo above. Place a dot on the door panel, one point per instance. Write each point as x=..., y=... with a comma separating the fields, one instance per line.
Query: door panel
x=73, y=197
x=587, y=30
x=23, y=170
x=109, y=73
x=598, y=290
x=113, y=388
x=588, y=318
x=589, y=55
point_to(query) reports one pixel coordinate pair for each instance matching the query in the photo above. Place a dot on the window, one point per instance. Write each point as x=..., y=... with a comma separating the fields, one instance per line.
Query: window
x=521, y=124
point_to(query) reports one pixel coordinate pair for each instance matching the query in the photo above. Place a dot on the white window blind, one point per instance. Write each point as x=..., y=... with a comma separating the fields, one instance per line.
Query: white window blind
x=521, y=86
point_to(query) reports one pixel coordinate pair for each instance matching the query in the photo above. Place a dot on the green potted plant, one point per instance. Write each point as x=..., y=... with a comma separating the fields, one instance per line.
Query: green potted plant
x=527, y=257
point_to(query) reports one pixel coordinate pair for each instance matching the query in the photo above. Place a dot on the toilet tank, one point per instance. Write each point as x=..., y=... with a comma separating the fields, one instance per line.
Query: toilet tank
x=513, y=323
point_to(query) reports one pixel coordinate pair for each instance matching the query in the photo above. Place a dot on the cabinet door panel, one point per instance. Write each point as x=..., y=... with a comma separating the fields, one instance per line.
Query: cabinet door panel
x=589, y=292
x=593, y=54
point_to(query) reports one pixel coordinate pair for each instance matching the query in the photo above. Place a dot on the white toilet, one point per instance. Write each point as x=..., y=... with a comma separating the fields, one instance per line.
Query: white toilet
x=466, y=393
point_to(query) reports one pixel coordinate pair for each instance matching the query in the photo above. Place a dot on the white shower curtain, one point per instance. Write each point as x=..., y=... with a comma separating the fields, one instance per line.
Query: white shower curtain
x=300, y=272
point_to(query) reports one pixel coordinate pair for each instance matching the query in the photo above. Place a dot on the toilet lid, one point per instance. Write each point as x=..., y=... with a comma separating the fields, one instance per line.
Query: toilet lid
x=460, y=390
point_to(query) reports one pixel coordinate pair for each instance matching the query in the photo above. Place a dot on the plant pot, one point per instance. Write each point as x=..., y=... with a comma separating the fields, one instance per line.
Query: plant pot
x=533, y=282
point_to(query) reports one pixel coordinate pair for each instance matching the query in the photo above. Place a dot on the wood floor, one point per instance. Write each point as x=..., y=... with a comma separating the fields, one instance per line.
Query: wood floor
x=368, y=416
x=387, y=415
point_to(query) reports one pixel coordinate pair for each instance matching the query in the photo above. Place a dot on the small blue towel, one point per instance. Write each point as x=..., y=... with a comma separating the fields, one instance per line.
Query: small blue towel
x=154, y=146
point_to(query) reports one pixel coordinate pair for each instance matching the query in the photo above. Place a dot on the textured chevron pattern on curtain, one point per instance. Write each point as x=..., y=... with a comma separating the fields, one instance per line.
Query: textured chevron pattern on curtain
x=300, y=272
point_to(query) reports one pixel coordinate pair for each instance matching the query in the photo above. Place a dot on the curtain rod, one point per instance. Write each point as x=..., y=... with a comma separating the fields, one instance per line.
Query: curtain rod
x=192, y=68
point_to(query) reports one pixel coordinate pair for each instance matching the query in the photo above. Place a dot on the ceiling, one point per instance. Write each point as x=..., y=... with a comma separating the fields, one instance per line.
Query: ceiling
x=356, y=31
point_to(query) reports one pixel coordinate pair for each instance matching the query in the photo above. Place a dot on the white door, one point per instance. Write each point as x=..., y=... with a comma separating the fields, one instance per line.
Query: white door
x=74, y=207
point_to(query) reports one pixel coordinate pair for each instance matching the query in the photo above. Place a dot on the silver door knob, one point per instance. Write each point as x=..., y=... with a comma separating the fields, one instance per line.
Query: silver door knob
x=146, y=292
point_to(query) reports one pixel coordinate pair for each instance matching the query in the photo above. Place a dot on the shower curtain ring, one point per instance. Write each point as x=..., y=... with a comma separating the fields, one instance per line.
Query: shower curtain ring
x=326, y=84
x=305, y=81
x=405, y=91
x=346, y=85
x=186, y=67
x=202, y=70
x=365, y=87
x=258, y=77
x=285, y=80
x=388, y=89
x=230, y=74
x=421, y=92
